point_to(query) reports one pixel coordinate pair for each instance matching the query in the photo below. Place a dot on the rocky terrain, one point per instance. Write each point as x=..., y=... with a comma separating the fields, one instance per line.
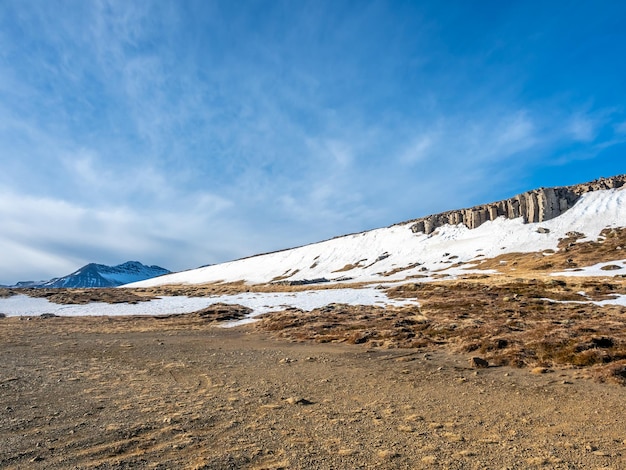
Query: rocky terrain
x=179, y=392
x=533, y=206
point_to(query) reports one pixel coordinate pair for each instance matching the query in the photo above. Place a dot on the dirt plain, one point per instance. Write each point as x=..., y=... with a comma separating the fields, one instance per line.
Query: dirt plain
x=182, y=392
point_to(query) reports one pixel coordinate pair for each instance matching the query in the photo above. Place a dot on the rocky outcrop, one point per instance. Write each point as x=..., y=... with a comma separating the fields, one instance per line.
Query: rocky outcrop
x=537, y=205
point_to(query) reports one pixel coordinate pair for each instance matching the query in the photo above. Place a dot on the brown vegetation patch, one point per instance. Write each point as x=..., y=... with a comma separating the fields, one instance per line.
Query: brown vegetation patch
x=339, y=323
x=217, y=312
x=350, y=267
x=400, y=269
x=85, y=296
x=286, y=275
x=229, y=288
x=6, y=293
x=522, y=323
x=615, y=372
x=570, y=254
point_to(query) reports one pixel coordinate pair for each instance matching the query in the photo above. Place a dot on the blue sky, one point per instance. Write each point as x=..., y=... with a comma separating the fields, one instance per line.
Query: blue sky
x=192, y=132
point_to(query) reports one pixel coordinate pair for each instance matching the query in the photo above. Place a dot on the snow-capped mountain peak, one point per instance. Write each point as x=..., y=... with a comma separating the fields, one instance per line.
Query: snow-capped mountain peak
x=100, y=275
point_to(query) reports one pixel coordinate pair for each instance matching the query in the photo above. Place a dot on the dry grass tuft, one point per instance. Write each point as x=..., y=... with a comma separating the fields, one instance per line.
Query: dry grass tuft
x=506, y=321
x=82, y=296
x=571, y=254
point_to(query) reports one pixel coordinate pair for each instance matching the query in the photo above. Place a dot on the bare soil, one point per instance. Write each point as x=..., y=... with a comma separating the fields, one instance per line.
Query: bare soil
x=180, y=392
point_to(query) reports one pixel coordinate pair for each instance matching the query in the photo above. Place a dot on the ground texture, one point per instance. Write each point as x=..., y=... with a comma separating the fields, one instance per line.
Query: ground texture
x=180, y=392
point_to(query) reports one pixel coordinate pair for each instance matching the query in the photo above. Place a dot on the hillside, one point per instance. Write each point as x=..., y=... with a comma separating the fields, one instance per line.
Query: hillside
x=409, y=251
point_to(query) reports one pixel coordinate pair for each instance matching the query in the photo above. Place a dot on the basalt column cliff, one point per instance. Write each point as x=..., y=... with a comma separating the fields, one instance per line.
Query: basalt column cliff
x=534, y=206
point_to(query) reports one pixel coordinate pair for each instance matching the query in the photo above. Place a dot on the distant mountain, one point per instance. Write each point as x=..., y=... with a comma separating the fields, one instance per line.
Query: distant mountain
x=100, y=275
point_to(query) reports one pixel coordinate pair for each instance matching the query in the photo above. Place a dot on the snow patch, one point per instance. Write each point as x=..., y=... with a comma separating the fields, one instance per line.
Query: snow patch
x=261, y=302
x=596, y=270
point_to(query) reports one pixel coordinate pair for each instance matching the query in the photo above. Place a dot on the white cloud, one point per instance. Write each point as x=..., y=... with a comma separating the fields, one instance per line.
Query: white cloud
x=582, y=128
x=46, y=237
x=620, y=128
x=418, y=149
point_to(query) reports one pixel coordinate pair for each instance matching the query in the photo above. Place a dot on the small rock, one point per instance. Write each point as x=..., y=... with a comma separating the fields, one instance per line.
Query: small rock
x=298, y=401
x=47, y=315
x=387, y=454
x=478, y=363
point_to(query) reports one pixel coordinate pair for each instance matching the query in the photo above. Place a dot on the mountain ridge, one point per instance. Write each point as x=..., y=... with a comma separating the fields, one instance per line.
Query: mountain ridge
x=536, y=205
x=401, y=251
x=100, y=275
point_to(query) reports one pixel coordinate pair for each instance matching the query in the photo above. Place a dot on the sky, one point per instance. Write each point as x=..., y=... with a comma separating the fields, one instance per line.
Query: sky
x=186, y=133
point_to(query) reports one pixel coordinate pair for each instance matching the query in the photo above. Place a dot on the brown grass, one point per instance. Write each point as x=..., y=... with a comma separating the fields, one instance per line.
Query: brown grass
x=349, y=267
x=82, y=296
x=571, y=254
x=508, y=322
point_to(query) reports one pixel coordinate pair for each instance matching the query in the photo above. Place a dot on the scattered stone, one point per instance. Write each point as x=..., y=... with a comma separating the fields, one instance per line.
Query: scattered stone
x=478, y=363
x=540, y=370
x=405, y=428
x=388, y=454
x=453, y=437
x=346, y=452
x=298, y=401
x=414, y=418
x=47, y=315
x=543, y=230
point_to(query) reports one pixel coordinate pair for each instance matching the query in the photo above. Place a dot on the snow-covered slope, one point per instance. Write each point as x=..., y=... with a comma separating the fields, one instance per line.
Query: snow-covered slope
x=100, y=275
x=395, y=253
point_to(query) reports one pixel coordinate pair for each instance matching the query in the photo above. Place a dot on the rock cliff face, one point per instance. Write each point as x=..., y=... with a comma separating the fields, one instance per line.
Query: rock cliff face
x=534, y=206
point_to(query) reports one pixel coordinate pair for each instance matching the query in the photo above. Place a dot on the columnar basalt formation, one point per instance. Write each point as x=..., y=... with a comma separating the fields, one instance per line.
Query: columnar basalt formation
x=537, y=205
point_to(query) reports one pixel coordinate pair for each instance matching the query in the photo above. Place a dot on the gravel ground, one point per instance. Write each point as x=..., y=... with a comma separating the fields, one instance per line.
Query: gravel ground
x=182, y=393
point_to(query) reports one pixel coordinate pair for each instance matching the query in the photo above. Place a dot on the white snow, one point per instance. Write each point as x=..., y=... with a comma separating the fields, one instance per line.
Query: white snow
x=596, y=270
x=618, y=299
x=365, y=256
x=21, y=305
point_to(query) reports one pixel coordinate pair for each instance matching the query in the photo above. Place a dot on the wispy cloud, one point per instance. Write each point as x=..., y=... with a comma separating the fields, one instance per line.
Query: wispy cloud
x=185, y=134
